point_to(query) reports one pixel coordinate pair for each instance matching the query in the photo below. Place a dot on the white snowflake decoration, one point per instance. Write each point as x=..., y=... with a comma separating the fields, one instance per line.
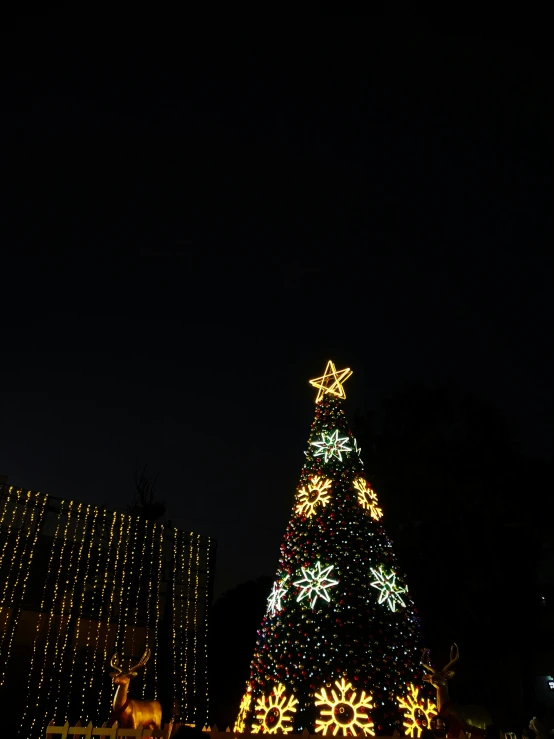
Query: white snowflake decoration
x=278, y=592
x=331, y=445
x=346, y=712
x=315, y=583
x=389, y=590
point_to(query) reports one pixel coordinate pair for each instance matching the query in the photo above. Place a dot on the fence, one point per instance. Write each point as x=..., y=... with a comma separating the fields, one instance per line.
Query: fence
x=114, y=732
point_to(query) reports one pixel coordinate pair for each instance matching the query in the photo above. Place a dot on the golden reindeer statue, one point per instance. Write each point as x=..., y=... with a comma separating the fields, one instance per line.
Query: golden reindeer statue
x=473, y=720
x=132, y=714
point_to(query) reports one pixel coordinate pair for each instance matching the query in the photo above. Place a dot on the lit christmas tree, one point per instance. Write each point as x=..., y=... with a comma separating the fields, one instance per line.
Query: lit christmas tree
x=338, y=647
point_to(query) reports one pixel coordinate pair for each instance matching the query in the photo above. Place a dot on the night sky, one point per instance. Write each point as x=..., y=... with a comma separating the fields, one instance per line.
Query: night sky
x=192, y=223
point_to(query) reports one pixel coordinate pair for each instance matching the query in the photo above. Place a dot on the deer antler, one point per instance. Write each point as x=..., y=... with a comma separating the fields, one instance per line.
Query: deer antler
x=424, y=655
x=143, y=660
x=454, y=657
x=114, y=662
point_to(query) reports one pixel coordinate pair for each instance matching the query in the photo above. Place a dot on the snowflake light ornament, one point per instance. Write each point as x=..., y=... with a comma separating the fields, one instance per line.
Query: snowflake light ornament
x=417, y=712
x=367, y=498
x=274, y=712
x=389, y=590
x=278, y=592
x=346, y=712
x=331, y=445
x=315, y=583
x=244, y=708
x=313, y=494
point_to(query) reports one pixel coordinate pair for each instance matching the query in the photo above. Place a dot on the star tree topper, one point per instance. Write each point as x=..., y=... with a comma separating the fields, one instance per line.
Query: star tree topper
x=331, y=381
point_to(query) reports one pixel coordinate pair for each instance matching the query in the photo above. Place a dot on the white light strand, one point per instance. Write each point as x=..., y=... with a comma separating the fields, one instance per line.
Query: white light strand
x=119, y=645
x=189, y=715
x=57, y=570
x=195, y=658
x=104, y=683
x=206, y=622
x=175, y=575
x=10, y=525
x=88, y=663
x=81, y=595
x=29, y=556
x=160, y=527
x=61, y=633
x=150, y=602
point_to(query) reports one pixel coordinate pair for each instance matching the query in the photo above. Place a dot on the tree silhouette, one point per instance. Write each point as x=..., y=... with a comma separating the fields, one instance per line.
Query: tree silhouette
x=463, y=509
x=144, y=502
x=233, y=622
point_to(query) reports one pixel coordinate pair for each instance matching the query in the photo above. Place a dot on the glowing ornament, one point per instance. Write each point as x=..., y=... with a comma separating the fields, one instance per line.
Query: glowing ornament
x=274, y=712
x=417, y=712
x=367, y=498
x=331, y=445
x=278, y=592
x=346, y=712
x=389, y=590
x=244, y=708
x=330, y=382
x=315, y=583
x=313, y=494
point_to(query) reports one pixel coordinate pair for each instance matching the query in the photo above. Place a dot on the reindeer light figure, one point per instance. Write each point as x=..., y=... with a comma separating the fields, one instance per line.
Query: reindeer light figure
x=132, y=714
x=473, y=720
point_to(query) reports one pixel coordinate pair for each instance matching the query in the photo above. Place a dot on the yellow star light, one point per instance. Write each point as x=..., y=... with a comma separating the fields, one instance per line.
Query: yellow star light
x=274, y=712
x=330, y=383
x=345, y=712
x=417, y=712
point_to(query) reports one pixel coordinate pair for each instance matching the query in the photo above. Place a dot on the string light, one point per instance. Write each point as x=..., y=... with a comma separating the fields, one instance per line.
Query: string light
x=138, y=584
x=10, y=525
x=206, y=625
x=15, y=551
x=158, y=590
x=29, y=558
x=75, y=649
x=59, y=652
x=186, y=668
x=107, y=555
x=150, y=604
x=87, y=661
x=195, y=624
x=117, y=516
x=173, y=614
x=40, y=621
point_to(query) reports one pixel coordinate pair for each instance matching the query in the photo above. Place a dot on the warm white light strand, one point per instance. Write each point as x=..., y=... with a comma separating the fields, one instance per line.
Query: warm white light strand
x=158, y=593
x=29, y=557
x=88, y=663
x=113, y=595
x=81, y=595
x=61, y=632
x=51, y=616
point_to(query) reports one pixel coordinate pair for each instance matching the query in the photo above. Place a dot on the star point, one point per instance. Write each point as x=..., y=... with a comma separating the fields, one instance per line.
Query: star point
x=331, y=382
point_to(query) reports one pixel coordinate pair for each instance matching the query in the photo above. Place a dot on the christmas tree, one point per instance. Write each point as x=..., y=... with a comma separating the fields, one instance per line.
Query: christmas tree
x=338, y=648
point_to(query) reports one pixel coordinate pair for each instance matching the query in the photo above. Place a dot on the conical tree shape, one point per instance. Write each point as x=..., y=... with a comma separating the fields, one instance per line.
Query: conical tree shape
x=339, y=643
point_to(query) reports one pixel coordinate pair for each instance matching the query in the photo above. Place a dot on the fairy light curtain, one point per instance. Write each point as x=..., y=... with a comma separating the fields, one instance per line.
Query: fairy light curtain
x=76, y=584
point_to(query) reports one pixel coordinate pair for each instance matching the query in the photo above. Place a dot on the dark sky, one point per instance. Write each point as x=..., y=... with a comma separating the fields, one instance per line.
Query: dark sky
x=193, y=221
